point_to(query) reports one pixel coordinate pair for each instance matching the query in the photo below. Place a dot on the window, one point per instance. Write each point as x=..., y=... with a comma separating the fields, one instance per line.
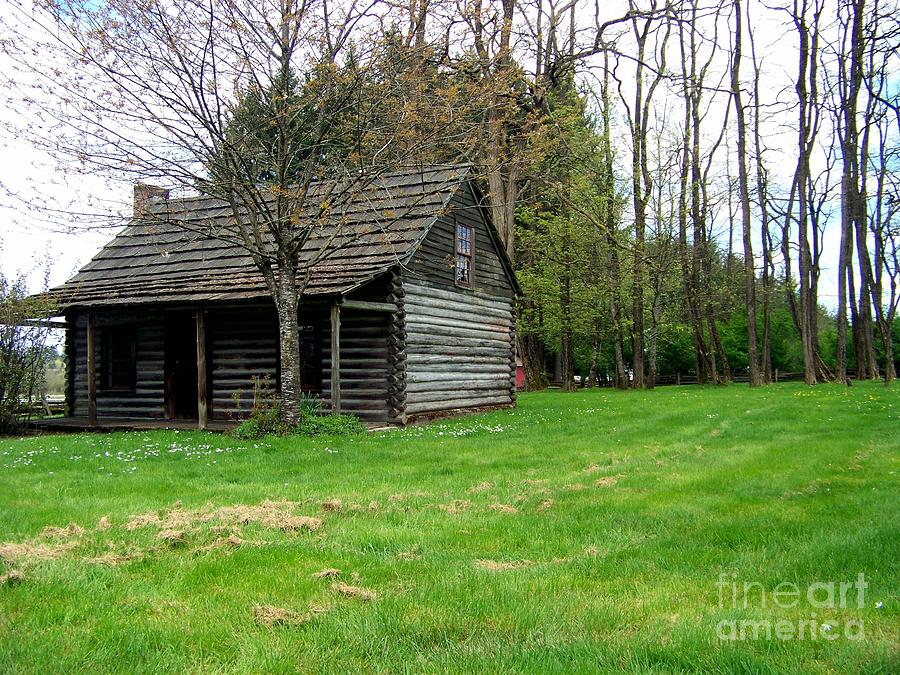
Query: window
x=465, y=245
x=310, y=360
x=117, y=358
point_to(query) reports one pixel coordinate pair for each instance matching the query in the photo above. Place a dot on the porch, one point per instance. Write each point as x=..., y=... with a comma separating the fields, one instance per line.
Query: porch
x=77, y=424
x=199, y=367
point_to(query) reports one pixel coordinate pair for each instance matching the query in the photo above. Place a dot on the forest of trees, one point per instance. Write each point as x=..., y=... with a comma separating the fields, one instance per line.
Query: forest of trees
x=679, y=217
x=697, y=187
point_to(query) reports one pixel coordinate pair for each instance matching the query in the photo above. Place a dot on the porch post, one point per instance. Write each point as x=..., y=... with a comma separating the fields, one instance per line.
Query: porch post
x=202, y=396
x=336, y=358
x=91, y=373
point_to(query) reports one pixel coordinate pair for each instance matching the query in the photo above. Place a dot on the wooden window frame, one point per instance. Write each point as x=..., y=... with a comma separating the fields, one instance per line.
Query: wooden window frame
x=110, y=338
x=469, y=256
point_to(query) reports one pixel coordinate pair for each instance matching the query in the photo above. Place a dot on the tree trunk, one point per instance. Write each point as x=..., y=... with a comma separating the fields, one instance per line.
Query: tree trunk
x=655, y=316
x=805, y=137
x=502, y=192
x=615, y=306
x=637, y=287
x=287, y=305
x=531, y=350
x=844, y=271
x=744, y=182
x=594, y=375
x=566, y=355
x=610, y=215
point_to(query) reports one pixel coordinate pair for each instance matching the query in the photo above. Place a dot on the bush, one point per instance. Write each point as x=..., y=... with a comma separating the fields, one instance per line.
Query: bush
x=23, y=354
x=265, y=418
x=330, y=425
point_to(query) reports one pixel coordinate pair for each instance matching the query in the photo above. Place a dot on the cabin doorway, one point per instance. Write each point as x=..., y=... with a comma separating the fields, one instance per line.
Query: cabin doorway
x=181, y=365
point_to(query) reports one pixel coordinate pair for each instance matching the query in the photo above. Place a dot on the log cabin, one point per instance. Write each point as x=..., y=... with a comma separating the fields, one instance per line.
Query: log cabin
x=409, y=315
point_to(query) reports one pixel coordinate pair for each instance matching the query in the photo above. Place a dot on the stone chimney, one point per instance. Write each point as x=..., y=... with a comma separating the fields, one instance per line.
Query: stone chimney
x=143, y=193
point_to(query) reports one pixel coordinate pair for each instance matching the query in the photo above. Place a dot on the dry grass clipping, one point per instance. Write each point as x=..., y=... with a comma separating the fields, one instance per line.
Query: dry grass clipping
x=70, y=530
x=606, y=481
x=456, y=506
x=806, y=490
x=363, y=594
x=173, y=537
x=110, y=559
x=328, y=573
x=142, y=520
x=483, y=486
x=270, y=616
x=546, y=504
x=502, y=566
x=410, y=554
x=271, y=515
x=504, y=508
x=230, y=542
x=331, y=505
x=35, y=551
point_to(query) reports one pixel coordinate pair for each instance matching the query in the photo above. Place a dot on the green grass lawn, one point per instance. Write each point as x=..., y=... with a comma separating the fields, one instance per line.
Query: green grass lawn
x=579, y=532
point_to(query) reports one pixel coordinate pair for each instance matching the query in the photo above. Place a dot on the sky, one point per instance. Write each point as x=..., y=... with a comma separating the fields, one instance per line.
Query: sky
x=34, y=240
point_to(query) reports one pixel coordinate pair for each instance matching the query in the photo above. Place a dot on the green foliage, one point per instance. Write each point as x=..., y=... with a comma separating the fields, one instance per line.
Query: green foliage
x=265, y=417
x=330, y=425
x=275, y=129
x=23, y=354
x=562, y=229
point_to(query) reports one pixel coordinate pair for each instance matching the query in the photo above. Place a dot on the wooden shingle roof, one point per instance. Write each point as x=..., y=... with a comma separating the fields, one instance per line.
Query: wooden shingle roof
x=170, y=256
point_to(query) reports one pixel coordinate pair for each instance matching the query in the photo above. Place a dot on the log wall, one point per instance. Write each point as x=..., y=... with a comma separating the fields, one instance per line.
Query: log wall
x=458, y=346
x=459, y=349
x=242, y=343
x=148, y=397
x=364, y=364
x=435, y=261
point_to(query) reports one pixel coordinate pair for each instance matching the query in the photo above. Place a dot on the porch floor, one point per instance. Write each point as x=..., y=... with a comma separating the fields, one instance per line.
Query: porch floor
x=73, y=424
x=122, y=424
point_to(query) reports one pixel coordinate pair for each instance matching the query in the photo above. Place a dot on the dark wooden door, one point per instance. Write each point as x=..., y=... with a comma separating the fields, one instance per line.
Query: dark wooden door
x=181, y=365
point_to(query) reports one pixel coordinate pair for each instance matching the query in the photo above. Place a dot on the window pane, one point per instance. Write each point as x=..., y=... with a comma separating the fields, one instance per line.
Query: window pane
x=464, y=239
x=462, y=269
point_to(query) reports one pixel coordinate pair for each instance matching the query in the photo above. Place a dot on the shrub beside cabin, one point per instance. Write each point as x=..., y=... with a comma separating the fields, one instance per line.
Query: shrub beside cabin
x=410, y=316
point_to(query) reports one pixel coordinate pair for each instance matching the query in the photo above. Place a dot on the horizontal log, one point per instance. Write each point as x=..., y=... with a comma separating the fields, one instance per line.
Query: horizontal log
x=452, y=404
x=445, y=376
x=488, y=301
x=452, y=295
x=460, y=353
x=413, y=388
x=426, y=340
x=462, y=358
x=115, y=400
x=498, y=319
x=438, y=324
x=443, y=332
x=235, y=369
x=460, y=371
x=366, y=306
x=457, y=301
